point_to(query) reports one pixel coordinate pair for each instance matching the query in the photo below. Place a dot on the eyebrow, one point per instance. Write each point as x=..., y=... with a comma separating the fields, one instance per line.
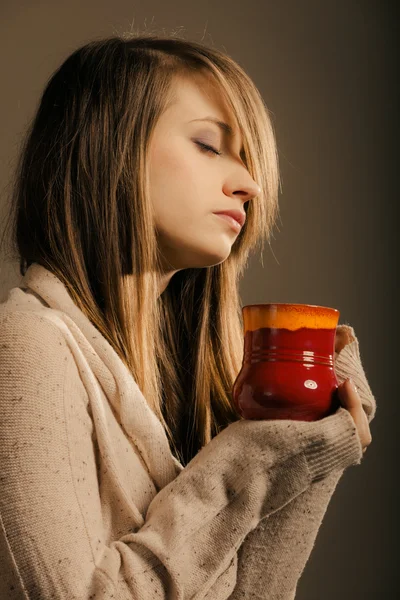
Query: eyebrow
x=223, y=126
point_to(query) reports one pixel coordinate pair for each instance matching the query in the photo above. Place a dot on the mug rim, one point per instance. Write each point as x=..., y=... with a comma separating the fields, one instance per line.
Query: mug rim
x=290, y=304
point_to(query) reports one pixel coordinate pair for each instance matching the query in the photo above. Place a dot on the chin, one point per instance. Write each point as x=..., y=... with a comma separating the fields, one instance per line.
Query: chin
x=185, y=256
x=199, y=262
x=207, y=257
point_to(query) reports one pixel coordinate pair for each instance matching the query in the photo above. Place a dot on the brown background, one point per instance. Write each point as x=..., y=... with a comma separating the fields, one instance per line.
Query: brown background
x=327, y=72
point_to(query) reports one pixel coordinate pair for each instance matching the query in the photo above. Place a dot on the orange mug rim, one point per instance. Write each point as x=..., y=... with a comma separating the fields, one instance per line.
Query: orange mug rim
x=288, y=315
x=290, y=304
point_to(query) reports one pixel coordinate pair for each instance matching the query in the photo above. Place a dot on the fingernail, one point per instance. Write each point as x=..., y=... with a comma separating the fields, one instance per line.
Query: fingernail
x=352, y=384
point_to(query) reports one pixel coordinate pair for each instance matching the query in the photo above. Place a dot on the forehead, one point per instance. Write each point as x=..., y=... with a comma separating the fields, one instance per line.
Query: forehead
x=198, y=97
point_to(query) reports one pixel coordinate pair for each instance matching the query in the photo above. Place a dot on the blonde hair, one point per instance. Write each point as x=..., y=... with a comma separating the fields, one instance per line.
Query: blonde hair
x=81, y=208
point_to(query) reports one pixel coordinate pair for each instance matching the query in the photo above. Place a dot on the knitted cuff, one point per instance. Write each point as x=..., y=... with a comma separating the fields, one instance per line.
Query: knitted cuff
x=330, y=444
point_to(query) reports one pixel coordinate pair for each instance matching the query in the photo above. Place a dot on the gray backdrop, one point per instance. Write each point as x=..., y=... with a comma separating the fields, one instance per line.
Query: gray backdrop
x=326, y=71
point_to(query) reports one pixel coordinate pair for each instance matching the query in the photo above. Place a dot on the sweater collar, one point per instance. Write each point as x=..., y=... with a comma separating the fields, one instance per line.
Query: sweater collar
x=138, y=420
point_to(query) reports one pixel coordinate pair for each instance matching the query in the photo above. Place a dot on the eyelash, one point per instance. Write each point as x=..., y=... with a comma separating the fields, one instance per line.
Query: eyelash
x=208, y=149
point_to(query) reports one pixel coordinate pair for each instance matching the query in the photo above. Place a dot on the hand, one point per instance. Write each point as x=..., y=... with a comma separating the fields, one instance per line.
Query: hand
x=351, y=401
x=342, y=338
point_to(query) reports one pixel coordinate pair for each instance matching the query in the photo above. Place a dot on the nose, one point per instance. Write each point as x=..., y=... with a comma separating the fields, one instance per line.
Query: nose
x=246, y=191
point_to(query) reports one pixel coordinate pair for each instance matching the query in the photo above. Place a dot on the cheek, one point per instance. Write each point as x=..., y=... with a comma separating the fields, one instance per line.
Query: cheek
x=179, y=186
x=172, y=164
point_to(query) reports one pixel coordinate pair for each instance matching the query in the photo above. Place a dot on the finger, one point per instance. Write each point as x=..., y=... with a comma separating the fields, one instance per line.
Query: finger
x=342, y=338
x=352, y=402
x=348, y=392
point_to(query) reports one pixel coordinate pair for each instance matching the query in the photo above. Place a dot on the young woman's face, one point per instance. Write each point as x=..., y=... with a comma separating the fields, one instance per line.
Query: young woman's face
x=189, y=184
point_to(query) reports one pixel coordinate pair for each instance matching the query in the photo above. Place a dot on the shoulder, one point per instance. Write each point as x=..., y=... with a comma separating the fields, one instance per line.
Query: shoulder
x=32, y=343
x=36, y=360
x=24, y=316
x=21, y=326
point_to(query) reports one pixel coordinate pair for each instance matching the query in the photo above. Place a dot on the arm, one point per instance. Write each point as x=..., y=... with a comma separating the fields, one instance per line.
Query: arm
x=53, y=537
x=273, y=555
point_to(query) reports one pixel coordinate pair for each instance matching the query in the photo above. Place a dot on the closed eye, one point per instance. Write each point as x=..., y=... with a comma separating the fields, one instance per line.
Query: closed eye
x=208, y=149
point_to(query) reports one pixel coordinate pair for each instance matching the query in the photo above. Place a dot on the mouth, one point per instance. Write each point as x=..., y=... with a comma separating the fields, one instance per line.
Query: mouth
x=238, y=215
x=230, y=221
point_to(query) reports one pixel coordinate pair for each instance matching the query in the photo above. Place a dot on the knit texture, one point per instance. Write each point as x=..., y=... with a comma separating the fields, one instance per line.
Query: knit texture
x=93, y=505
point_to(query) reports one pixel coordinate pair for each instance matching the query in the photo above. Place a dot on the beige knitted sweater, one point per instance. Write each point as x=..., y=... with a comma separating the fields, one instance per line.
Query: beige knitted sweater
x=93, y=505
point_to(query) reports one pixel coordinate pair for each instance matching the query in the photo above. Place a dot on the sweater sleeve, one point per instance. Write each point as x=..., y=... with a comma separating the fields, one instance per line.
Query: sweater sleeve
x=348, y=363
x=194, y=526
x=273, y=556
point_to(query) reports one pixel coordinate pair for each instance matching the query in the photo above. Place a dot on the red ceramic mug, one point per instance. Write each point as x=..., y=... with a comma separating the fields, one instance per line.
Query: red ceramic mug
x=287, y=370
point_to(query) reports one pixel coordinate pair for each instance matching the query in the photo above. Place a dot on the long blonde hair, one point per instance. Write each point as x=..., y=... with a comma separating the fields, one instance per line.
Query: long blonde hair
x=81, y=208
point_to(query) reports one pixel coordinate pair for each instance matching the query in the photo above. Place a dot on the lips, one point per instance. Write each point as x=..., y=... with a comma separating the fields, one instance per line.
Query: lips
x=238, y=215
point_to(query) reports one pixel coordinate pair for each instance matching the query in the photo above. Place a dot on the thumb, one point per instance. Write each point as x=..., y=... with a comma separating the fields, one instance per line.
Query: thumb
x=349, y=393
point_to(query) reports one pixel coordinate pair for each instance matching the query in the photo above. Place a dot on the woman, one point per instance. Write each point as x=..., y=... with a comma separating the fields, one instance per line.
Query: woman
x=126, y=471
